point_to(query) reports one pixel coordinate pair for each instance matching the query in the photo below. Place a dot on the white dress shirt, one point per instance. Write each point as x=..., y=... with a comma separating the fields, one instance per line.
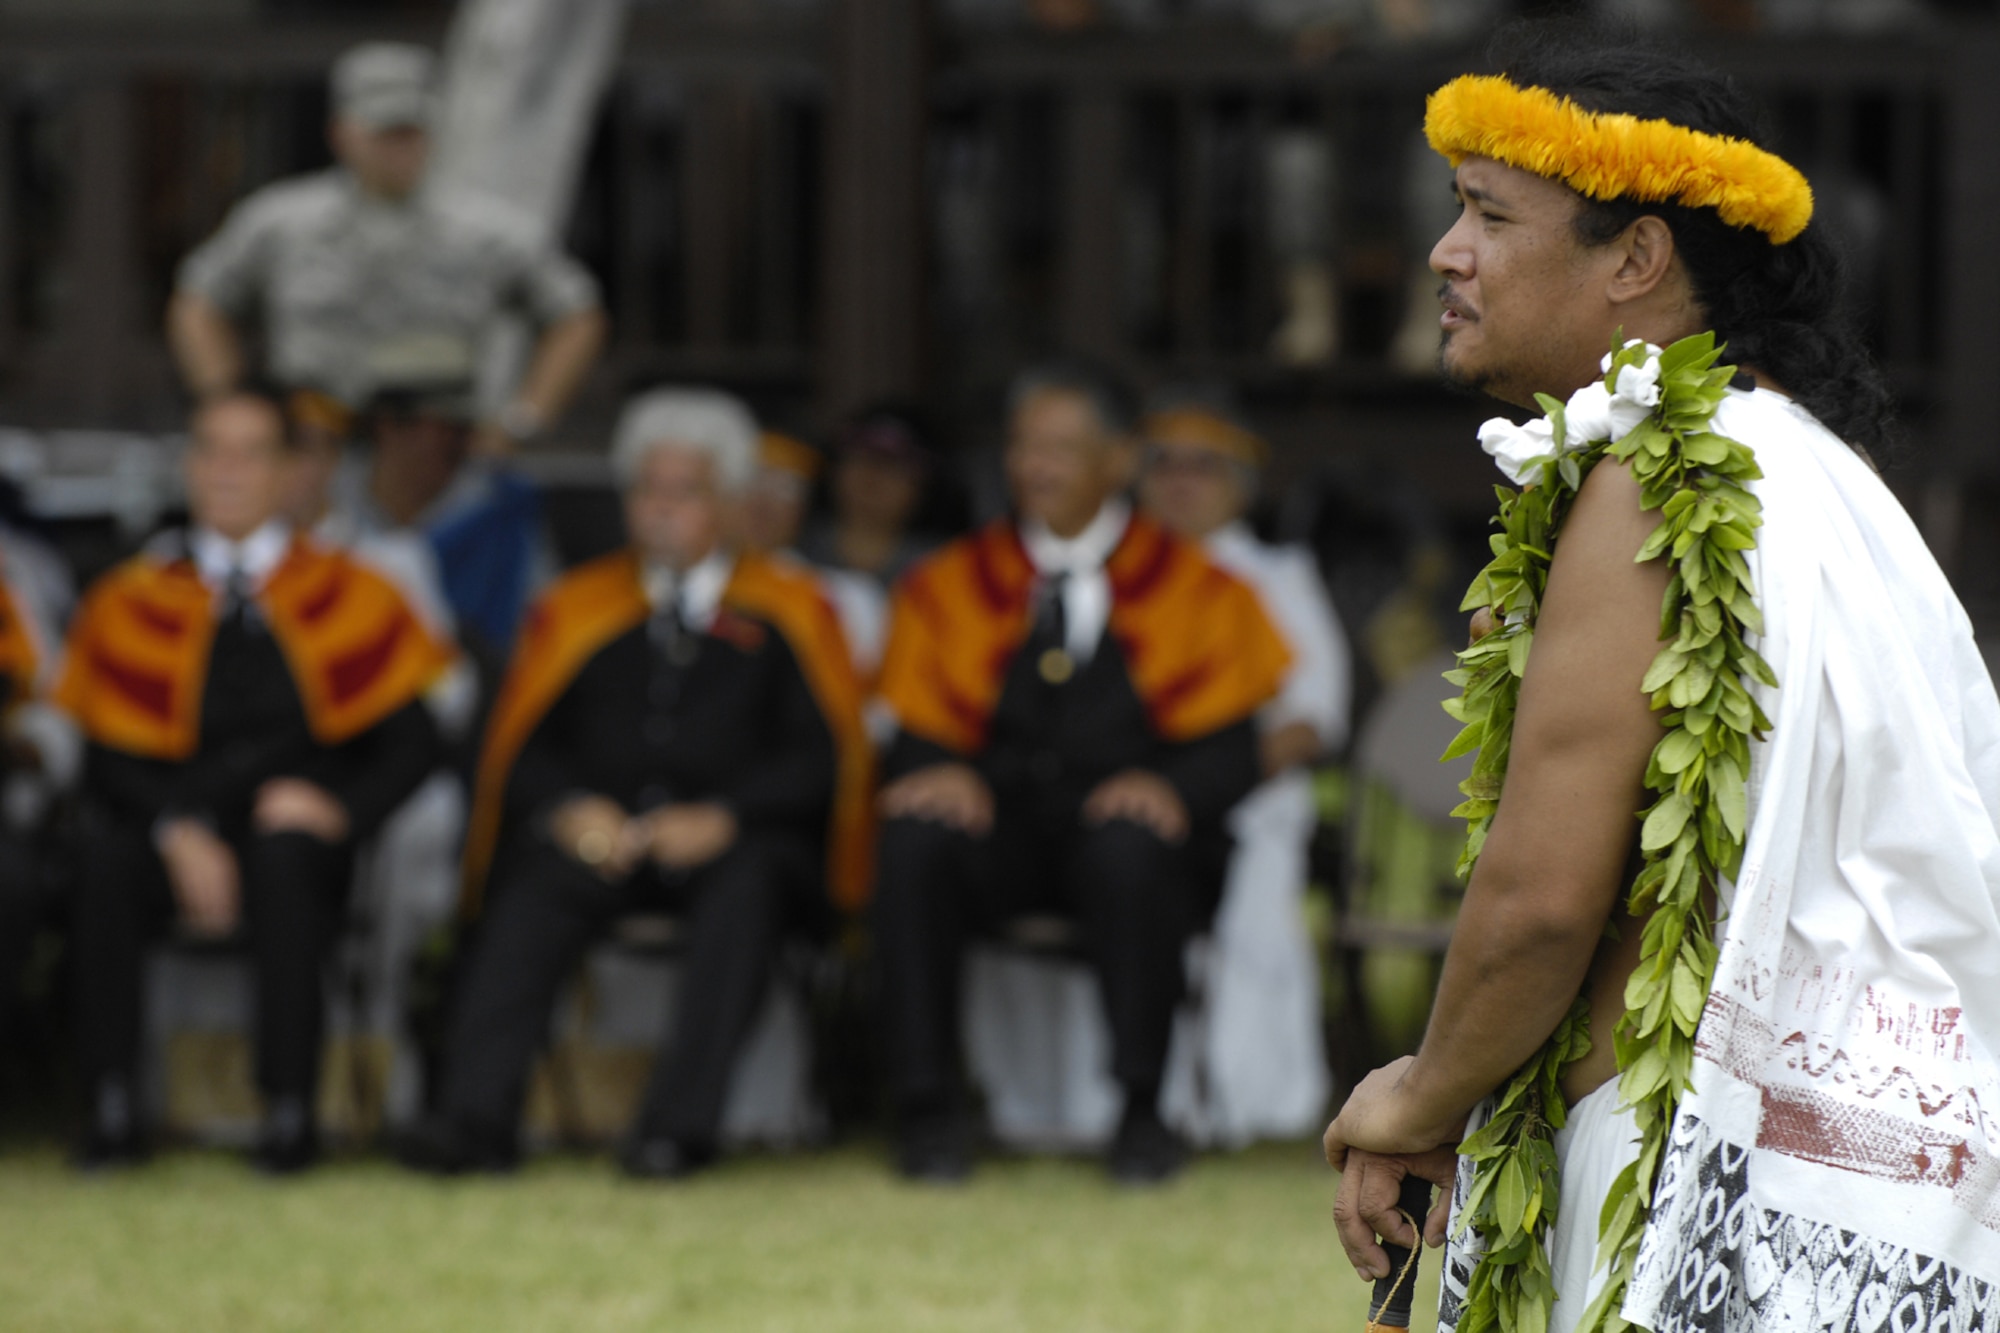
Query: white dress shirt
x=697, y=591
x=255, y=556
x=1087, y=591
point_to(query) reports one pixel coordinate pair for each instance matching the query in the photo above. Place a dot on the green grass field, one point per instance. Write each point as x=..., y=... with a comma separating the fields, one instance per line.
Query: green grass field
x=820, y=1242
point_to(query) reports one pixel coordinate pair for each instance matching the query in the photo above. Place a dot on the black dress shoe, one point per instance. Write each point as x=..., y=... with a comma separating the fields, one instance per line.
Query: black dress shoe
x=100, y=1152
x=113, y=1141
x=286, y=1154
x=934, y=1149
x=1145, y=1152
x=289, y=1141
x=664, y=1159
x=445, y=1147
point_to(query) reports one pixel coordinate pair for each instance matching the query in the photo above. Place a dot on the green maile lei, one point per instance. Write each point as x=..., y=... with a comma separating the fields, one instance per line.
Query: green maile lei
x=1693, y=830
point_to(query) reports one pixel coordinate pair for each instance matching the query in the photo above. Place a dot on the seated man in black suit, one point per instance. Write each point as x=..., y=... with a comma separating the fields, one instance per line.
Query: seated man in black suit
x=1074, y=689
x=672, y=732
x=39, y=753
x=252, y=706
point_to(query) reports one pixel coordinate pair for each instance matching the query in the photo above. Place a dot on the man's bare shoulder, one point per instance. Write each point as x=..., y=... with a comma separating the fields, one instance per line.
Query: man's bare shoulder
x=1608, y=510
x=1599, y=625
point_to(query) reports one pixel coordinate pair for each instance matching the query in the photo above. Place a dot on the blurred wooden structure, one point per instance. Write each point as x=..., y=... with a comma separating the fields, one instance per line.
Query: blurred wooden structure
x=765, y=197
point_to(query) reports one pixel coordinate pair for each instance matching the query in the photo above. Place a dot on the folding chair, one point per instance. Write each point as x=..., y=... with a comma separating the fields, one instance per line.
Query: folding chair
x=608, y=1030
x=1037, y=1042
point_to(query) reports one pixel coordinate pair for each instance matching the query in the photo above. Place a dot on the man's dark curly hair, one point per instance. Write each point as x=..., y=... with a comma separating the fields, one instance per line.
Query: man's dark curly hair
x=1781, y=308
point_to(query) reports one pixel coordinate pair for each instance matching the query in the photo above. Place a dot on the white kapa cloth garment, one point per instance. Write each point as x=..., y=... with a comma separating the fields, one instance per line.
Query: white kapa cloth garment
x=1836, y=1164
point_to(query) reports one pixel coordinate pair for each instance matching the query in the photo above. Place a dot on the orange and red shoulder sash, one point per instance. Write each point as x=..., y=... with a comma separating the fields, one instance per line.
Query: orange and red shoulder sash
x=1201, y=652
x=137, y=655
x=595, y=604
x=21, y=652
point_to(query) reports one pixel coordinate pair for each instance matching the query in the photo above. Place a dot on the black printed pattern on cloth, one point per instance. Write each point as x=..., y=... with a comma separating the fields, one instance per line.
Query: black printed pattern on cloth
x=1721, y=1264
x=1461, y=1252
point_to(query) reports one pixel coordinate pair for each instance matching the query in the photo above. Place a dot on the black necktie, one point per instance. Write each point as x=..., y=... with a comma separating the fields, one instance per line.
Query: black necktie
x=674, y=643
x=239, y=610
x=1051, y=617
x=672, y=634
x=1048, y=638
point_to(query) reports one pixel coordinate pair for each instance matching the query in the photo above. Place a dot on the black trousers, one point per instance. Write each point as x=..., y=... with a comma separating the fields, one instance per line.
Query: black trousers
x=21, y=904
x=1132, y=894
x=546, y=909
x=294, y=894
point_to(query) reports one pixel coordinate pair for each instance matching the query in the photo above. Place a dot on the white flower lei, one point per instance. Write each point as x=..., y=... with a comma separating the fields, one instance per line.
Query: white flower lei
x=1594, y=415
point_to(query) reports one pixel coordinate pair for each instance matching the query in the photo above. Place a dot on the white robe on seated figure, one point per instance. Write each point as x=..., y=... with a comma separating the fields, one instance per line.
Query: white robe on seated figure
x=1256, y=1066
x=1836, y=1164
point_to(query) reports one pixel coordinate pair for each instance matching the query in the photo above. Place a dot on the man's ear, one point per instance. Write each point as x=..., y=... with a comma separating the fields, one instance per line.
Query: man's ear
x=1645, y=260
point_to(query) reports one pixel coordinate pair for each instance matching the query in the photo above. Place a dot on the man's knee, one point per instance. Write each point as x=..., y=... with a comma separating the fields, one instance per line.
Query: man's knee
x=758, y=873
x=759, y=854
x=1124, y=856
x=116, y=867
x=284, y=858
x=1125, y=874
x=542, y=906
x=919, y=865
x=535, y=872
x=920, y=849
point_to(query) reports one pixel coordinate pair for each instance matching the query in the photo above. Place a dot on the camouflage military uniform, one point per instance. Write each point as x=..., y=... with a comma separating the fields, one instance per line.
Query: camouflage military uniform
x=331, y=275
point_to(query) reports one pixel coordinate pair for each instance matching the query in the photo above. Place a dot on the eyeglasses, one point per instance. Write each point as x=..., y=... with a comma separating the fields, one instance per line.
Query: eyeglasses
x=780, y=484
x=1167, y=459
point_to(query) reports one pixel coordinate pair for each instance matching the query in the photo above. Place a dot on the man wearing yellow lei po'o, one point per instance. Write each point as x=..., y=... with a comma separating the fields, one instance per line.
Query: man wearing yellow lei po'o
x=1750, y=1039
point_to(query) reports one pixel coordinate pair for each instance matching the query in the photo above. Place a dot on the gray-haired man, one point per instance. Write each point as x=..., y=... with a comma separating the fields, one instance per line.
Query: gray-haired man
x=668, y=737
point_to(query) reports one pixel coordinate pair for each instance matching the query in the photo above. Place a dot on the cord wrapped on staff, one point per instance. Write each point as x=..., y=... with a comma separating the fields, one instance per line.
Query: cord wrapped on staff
x=1385, y=1213
x=1390, y=1303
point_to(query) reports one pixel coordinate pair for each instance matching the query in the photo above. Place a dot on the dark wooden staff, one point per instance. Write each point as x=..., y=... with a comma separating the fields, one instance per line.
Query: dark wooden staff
x=1389, y=1307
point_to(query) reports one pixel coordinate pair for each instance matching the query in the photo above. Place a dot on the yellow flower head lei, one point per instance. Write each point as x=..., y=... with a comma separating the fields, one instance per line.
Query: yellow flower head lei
x=1608, y=155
